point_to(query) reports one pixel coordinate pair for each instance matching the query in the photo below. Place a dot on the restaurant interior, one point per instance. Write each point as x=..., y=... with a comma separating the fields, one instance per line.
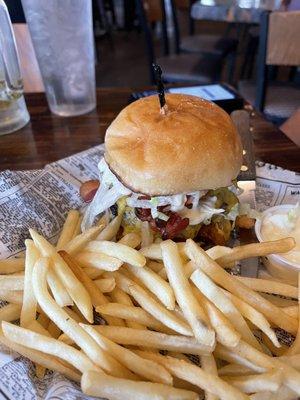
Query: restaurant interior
x=251, y=45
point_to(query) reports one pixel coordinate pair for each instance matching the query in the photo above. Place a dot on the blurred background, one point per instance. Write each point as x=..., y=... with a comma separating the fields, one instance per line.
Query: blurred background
x=202, y=41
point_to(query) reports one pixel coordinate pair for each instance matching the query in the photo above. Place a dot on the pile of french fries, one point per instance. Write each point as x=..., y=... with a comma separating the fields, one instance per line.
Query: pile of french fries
x=174, y=322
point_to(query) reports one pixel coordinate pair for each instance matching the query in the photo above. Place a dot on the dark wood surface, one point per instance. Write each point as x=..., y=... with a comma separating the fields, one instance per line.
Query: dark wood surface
x=48, y=137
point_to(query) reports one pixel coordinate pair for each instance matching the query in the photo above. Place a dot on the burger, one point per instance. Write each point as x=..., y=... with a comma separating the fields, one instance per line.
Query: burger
x=173, y=168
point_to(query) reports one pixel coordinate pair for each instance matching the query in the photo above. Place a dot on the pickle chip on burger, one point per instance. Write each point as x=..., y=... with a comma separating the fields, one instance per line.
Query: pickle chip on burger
x=175, y=169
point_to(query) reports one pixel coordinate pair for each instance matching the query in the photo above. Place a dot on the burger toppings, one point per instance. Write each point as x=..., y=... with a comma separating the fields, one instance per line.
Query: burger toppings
x=169, y=227
x=212, y=214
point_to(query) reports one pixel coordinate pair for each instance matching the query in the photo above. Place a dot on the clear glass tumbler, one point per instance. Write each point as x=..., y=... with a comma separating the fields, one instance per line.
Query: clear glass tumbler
x=62, y=36
x=13, y=111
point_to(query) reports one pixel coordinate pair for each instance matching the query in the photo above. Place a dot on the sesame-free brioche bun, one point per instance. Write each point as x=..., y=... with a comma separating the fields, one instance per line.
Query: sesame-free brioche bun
x=194, y=146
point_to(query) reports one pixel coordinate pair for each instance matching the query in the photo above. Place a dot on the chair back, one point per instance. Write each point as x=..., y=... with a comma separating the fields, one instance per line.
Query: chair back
x=278, y=45
x=185, y=6
x=153, y=10
x=283, y=46
x=150, y=12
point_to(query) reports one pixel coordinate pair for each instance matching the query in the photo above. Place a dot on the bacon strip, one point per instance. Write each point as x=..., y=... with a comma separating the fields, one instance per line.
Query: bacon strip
x=168, y=229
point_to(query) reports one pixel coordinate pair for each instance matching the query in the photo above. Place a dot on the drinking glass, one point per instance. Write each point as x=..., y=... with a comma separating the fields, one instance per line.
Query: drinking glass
x=62, y=36
x=13, y=111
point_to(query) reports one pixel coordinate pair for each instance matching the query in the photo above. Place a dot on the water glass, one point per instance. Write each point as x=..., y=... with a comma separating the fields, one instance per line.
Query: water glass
x=62, y=36
x=13, y=111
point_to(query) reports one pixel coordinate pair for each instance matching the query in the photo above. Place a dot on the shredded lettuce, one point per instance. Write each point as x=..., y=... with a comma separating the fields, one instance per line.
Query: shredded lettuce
x=108, y=193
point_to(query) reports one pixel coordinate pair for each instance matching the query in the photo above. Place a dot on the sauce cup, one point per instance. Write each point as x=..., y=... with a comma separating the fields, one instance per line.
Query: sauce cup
x=277, y=265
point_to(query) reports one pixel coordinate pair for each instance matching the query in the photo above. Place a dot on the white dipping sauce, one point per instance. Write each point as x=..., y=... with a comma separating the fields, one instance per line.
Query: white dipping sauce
x=282, y=224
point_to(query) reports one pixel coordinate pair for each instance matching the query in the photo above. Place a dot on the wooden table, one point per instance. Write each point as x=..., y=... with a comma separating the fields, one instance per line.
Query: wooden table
x=48, y=137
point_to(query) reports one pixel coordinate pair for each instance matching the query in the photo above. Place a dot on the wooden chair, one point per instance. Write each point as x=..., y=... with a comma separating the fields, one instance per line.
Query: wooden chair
x=206, y=44
x=278, y=46
x=180, y=67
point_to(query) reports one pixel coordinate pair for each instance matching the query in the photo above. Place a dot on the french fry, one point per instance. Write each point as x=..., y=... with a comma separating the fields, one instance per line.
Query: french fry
x=70, y=326
x=220, y=276
x=10, y=312
x=11, y=265
x=43, y=319
x=256, y=250
x=153, y=307
x=290, y=376
x=104, y=219
x=148, y=370
x=12, y=282
x=48, y=345
x=77, y=230
x=219, y=299
x=283, y=393
x=234, y=370
x=208, y=364
x=155, y=266
x=53, y=330
x=40, y=371
x=225, y=332
x=132, y=313
x=254, y=316
x=131, y=240
x=279, y=301
x=224, y=353
x=36, y=327
x=159, y=312
x=197, y=376
x=68, y=229
x=40, y=358
x=104, y=386
x=119, y=296
x=58, y=291
x=29, y=305
x=267, y=286
x=79, y=242
x=97, y=297
x=110, y=231
x=13, y=296
x=293, y=360
x=270, y=347
x=190, y=307
x=189, y=268
x=269, y=381
x=295, y=347
x=117, y=250
x=292, y=311
x=156, y=340
x=74, y=315
x=105, y=285
x=92, y=272
x=216, y=252
x=153, y=282
x=74, y=287
x=153, y=251
x=99, y=260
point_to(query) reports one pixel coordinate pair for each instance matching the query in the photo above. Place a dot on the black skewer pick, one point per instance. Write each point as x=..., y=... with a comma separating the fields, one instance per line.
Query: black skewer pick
x=160, y=86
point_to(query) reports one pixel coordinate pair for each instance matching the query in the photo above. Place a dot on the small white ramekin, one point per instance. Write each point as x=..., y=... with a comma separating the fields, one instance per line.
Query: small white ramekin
x=278, y=265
